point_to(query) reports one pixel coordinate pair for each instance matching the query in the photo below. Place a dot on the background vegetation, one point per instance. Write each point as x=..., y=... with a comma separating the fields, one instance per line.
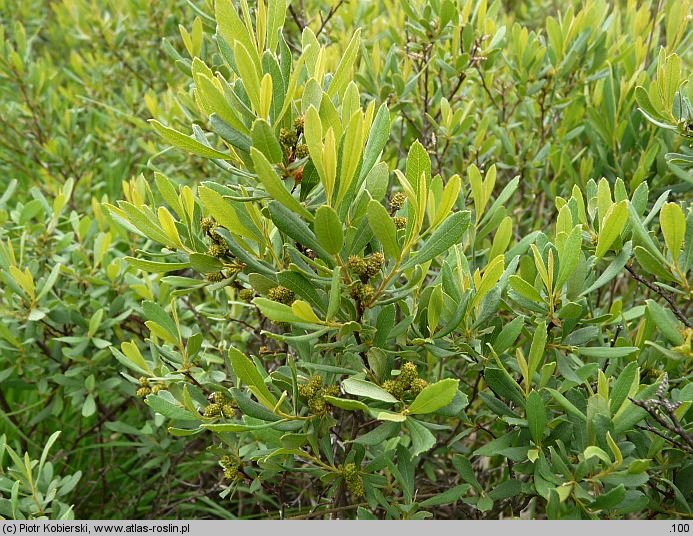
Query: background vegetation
x=391, y=259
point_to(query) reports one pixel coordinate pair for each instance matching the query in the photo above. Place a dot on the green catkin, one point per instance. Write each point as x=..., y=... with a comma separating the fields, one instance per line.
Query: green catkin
x=207, y=224
x=287, y=138
x=231, y=467
x=397, y=201
x=213, y=410
x=394, y=388
x=399, y=221
x=246, y=294
x=298, y=125
x=217, y=397
x=407, y=375
x=417, y=385
x=353, y=480
x=217, y=250
x=314, y=393
x=361, y=293
x=214, y=277
x=357, y=265
x=281, y=294
x=408, y=381
x=374, y=264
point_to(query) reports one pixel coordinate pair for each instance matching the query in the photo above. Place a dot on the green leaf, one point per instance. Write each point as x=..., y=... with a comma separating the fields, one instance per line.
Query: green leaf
x=230, y=134
x=345, y=403
x=641, y=236
x=421, y=437
x=153, y=311
x=383, y=415
x=568, y=256
x=305, y=312
x=380, y=434
x=466, y=471
x=249, y=407
x=600, y=352
x=567, y=405
x=610, y=499
x=352, y=147
x=434, y=397
x=230, y=26
x=504, y=385
x=191, y=145
x=249, y=69
x=236, y=427
x=536, y=351
x=384, y=229
x=508, y=335
x=611, y=227
x=357, y=387
x=205, y=263
x=246, y=258
x=622, y=386
x=144, y=222
x=248, y=374
x=595, y=452
x=276, y=13
x=342, y=74
x=168, y=192
x=536, y=416
x=448, y=234
x=303, y=287
x=377, y=138
x=266, y=142
x=290, y=224
x=666, y=322
x=447, y=497
x=673, y=224
x=214, y=100
x=614, y=268
x=645, y=104
x=224, y=212
x=335, y=294
x=89, y=406
x=274, y=186
x=418, y=162
x=492, y=273
x=275, y=311
x=524, y=289
x=651, y=264
x=169, y=409
x=328, y=229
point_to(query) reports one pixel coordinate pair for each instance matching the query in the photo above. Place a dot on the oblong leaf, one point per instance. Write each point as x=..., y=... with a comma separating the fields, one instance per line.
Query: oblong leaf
x=449, y=233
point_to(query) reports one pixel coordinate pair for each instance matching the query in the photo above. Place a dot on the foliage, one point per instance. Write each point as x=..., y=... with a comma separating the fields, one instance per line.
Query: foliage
x=371, y=273
x=399, y=337
x=74, y=130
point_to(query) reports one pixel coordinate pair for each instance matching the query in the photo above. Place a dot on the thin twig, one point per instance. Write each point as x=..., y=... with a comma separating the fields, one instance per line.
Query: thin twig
x=672, y=304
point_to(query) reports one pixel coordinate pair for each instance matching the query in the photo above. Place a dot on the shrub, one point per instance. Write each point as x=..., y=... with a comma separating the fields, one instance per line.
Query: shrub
x=73, y=129
x=404, y=292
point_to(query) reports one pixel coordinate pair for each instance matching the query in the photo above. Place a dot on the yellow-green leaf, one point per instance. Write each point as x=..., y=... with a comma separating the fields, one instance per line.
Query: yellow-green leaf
x=611, y=227
x=180, y=140
x=673, y=224
x=305, y=312
x=328, y=229
x=274, y=186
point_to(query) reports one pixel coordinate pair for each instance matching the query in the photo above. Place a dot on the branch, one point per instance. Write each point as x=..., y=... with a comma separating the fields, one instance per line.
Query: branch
x=672, y=304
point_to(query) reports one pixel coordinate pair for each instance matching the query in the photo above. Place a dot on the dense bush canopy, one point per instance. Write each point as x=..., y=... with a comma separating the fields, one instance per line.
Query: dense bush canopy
x=370, y=259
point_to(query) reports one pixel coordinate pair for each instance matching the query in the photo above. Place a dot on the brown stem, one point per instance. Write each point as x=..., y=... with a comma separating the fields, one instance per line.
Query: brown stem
x=667, y=297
